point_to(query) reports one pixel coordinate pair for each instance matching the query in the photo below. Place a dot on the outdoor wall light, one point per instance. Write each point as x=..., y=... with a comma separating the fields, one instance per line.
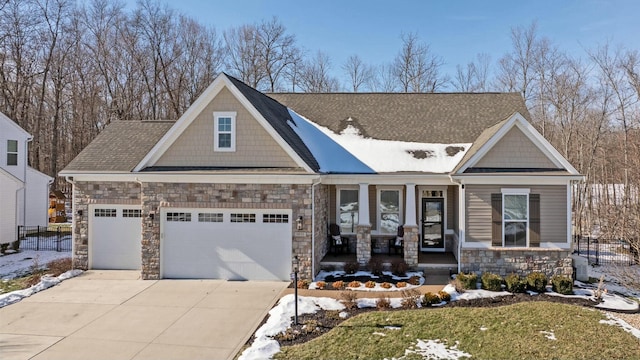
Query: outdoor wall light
x=299, y=223
x=79, y=212
x=152, y=215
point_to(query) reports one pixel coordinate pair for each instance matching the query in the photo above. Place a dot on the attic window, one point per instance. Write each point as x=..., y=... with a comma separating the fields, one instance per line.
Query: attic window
x=224, y=131
x=12, y=152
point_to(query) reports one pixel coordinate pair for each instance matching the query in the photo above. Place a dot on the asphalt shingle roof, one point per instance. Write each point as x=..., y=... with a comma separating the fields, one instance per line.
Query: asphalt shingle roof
x=444, y=118
x=120, y=146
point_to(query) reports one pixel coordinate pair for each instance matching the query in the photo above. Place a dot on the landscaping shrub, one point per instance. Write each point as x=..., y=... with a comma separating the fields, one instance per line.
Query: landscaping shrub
x=3, y=248
x=410, y=299
x=386, y=285
x=444, y=296
x=59, y=266
x=354, y=284
x=303, y=284
x=414, y=280
x=515, y=283
x=457, y=284
x=351, y=267
x=383, y=303
x=399, y=267
x=338, y=285
x=430, y=299
x=15, y=245
x=491, y=281
x=375, y=266
x=562, y=284
x=537, y=281
x=401, y=284
x=468, y=281
x=370, y=284
x=349, y=298
x=321, y=285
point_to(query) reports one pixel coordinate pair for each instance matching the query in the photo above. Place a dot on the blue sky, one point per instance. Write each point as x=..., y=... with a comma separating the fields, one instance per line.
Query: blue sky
x=455, y=30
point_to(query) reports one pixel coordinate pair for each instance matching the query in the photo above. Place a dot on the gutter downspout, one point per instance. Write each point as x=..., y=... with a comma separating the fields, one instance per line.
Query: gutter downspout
x=24, y=181
x=69, y=179
x=313, y=226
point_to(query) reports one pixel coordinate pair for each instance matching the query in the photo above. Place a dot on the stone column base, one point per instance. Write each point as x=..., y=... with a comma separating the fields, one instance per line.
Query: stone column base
x=411, y=236
x=363, y=244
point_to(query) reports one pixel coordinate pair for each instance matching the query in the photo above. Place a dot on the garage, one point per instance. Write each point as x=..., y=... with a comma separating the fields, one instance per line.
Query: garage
x=115, y=237
x=234, y=244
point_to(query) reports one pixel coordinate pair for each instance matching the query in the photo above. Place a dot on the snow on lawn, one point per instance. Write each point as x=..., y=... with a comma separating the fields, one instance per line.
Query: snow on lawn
x=434, y=349
x=349, y=151
x=14, y=265
x=473, y=294
x=623, y=324
x=45, y=283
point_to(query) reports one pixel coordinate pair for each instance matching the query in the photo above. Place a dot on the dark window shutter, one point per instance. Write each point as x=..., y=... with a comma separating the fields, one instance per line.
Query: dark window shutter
x=496, y=218
x=534, y=220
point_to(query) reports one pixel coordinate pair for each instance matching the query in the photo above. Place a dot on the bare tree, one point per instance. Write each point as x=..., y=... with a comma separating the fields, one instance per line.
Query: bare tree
x=515, y=71
x=360, y=74
x=417, y=69
x=279, y=51
x=315, y=76
x=475, y=76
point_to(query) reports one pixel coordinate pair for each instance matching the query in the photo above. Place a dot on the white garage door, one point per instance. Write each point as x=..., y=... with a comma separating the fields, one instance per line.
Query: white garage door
x=115, y=237
x=226, y=244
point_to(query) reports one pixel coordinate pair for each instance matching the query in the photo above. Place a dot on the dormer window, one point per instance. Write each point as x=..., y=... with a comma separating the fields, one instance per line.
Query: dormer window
x=224, y=131
x=12, y=152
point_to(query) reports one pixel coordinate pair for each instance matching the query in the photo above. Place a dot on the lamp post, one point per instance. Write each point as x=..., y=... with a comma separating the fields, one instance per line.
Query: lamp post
x=295, y=288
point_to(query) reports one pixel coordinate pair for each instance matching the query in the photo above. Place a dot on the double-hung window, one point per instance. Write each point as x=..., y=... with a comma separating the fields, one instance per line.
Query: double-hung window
x=515, y=218
x=348, y=208
x=12, y=152
x=389, y=210
x=224, y=131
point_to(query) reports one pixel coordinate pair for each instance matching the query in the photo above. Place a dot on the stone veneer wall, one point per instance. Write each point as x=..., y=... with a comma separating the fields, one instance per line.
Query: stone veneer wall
x=246, y=196
x=321, y=209
x=363, y=244
x=84, y=194
x=411, y=244
x=520, y=261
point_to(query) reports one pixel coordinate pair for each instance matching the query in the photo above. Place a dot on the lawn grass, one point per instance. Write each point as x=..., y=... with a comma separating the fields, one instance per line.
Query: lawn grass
x=512, y=332
x=53, y=268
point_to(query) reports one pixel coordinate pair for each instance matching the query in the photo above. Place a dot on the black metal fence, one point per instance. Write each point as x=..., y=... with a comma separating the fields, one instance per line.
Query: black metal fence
x=606, y=251
x=45, y=238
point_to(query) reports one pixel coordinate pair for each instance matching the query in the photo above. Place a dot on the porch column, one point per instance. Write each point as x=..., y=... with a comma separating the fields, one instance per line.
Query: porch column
x=411, y=234
x=363, y=232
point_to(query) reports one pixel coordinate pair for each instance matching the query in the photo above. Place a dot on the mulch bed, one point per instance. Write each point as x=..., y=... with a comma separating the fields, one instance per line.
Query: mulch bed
x=323, y=321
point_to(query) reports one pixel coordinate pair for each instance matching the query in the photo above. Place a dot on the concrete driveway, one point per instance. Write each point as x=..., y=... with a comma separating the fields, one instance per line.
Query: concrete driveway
x=114, y=315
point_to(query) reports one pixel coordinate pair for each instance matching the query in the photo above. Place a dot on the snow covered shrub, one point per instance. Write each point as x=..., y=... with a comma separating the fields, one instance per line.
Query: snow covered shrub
x=375, y=266
x=354, y=284
x=430, y=299
x=491, y=281
x=444, y=296
x=338, y=285
x=410, y=299
x=351, y=267
x=303, y=284
x=370, y=284
x=468, y=281
x=399, y=267
x=562, y=284
x=349, y=298
x=515, y=283
x=537, y=281
x=383, y=303
x=321, y=285
x=385, y=285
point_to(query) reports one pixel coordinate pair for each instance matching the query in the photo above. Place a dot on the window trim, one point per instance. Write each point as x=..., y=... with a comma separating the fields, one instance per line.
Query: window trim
x=216, y=132
x=16, y=153
x=512, y=192
x=379, y=191
x=337, y=219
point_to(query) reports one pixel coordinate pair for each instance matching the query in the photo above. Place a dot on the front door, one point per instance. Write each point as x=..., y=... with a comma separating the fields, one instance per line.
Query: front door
x=432, y=224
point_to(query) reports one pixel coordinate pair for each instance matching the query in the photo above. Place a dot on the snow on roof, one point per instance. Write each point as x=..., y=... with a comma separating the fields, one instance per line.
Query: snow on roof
x=350, y=152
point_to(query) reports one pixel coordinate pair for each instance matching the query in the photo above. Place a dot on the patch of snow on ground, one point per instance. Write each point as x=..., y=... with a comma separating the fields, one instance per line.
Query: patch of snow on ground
x=623, y=324
x=21, y=263
x=611, y=281
x=549, y=335
x=484, y=328
x=435, y=350
x=322, y=276
x=473, y=294
x=280, y=319
x=45, y=283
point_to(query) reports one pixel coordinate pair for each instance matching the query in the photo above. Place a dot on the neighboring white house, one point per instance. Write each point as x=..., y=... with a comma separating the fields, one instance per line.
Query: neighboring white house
x=24, y=191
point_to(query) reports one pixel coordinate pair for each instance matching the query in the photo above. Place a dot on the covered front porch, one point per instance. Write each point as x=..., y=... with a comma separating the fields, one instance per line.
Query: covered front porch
x=426, y=260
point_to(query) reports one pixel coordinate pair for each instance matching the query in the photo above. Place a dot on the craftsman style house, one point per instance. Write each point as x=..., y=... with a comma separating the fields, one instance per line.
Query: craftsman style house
x=24, y=191
x=244, y=182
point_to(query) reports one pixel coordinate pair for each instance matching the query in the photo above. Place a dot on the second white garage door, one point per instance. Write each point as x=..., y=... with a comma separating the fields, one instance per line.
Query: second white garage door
x=226, y=244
